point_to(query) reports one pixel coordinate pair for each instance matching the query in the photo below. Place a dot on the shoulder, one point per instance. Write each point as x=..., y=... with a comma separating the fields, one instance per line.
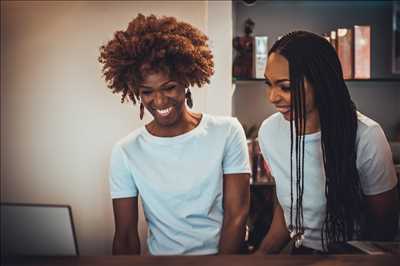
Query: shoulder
x=219, y=120
x=222, y=122
x=374, y=157
x=131, y=139
x=368, y=129
x=272, y=122
x=370, y=139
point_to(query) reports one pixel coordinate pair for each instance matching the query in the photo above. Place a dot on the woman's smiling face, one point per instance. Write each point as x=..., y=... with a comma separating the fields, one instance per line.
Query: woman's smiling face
x=163, y=98
x=278, y=91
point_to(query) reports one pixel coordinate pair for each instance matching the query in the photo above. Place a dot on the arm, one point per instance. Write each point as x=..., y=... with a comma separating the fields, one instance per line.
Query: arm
x=382, y=215
x=378, y=180
x=236, y=203
x=126, y=237
x=277, y=235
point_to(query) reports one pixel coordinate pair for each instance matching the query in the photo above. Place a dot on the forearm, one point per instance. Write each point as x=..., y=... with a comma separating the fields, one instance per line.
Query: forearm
x=126, y=245
x=273, y=242
x=236, y=208
x=277, y=235
x=232, y=233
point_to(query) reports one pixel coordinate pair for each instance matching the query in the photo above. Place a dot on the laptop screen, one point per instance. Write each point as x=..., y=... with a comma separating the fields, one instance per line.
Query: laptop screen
x=30, y=229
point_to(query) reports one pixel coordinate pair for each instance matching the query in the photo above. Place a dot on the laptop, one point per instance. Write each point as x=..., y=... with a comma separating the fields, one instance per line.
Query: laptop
x=37, y=230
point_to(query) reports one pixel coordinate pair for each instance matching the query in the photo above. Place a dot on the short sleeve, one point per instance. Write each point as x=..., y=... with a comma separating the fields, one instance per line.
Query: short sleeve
x=374, y=162
x=261, y=143
x=122, y=183
x=262, y=136
x=236, y=156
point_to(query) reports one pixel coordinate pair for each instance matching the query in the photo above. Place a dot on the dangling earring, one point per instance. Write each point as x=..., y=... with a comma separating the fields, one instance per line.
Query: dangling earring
x=189, y=100
x=141, y=111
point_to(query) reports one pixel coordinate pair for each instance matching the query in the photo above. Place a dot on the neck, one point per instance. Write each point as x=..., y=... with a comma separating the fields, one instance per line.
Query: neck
x=187, y=122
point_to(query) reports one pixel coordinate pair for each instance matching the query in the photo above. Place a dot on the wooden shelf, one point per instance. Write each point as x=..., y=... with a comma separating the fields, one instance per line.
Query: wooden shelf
x=374, y=80
x=236, y=80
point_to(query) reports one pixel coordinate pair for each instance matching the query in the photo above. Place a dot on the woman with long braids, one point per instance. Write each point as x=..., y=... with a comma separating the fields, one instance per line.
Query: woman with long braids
x=335, y=179
x=190, y=169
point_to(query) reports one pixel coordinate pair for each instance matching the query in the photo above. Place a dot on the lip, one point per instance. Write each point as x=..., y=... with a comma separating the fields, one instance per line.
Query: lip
x=283, y=109
x=163, y=112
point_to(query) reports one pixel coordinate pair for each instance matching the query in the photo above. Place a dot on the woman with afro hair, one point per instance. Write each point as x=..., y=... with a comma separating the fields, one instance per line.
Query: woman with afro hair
x=191, y=170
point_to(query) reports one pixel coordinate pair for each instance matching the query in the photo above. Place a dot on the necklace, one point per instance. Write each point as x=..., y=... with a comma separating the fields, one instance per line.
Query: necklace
x=296, y=235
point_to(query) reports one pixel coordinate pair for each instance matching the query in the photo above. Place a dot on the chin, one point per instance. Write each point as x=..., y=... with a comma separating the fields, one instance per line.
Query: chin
x=287, y=116
x=169, y=121
x=166, y=121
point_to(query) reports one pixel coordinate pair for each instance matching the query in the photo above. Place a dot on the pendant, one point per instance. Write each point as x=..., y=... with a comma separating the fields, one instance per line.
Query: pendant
x=299, y=240
x=296, y=235
x=298, y=243
x=292, y=232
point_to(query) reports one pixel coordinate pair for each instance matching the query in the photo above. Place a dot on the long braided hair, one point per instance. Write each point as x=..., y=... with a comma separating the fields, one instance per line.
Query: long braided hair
x=312, y=57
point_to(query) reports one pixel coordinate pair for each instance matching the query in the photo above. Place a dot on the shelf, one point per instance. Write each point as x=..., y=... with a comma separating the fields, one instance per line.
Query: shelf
x=374, y=80
x=236, y=80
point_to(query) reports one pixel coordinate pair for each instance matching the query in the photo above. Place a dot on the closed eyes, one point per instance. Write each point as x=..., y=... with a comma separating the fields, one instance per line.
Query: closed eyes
x=149, y=92
x=283, y=86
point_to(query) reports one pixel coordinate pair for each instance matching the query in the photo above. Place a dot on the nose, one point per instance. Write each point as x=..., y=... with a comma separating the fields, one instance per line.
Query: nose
x=159, y=99
x=274, y=95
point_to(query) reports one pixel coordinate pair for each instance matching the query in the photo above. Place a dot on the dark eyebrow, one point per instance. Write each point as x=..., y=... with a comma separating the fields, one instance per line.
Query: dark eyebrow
x=281, y=80
x=267, y=80
x=162, y=85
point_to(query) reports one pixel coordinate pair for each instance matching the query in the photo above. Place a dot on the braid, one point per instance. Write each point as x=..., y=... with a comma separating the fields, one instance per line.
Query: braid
x=311, y=56
x=299, y=114
x=291, y=169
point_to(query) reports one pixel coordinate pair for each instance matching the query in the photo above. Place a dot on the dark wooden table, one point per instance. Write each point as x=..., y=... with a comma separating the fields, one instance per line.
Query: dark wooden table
x=273, y=260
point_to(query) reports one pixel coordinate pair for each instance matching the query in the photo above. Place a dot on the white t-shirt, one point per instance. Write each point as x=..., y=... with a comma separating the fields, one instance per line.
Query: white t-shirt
x=180, y=181
x=374, y=164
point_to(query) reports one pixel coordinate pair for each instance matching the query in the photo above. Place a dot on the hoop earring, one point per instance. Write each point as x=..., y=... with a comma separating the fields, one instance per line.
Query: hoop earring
x=189, y=100
x=141, y=111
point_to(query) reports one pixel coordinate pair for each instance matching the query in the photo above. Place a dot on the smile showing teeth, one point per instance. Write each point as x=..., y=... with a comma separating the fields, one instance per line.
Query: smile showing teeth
x=283, y=109
x=164, y=112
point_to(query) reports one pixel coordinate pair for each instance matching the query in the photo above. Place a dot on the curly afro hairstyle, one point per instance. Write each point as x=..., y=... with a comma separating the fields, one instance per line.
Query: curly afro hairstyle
x=151, y=45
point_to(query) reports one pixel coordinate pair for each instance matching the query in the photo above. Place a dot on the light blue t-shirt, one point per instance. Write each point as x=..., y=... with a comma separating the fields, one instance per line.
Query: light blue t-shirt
x=374, y=164
x=180, y=181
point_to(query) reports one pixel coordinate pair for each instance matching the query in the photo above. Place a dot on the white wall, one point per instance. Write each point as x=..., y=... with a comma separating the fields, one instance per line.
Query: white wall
x=58, y=118
x=219, y=30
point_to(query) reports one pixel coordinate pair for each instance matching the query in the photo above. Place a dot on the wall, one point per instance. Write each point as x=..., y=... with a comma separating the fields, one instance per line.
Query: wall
x=58, y=118
x=219, y=29
x=379, y=100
